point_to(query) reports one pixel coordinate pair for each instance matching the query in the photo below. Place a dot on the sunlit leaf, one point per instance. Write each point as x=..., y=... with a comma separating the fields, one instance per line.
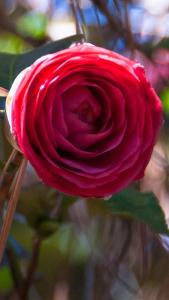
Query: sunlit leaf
x=11, y=43
x=32, y=24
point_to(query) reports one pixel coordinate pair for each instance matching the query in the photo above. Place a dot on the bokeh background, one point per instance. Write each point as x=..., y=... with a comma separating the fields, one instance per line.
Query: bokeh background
x=82, y=254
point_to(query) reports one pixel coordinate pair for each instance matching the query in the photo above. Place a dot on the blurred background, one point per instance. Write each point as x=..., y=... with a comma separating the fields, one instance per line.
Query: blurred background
x=82, y=255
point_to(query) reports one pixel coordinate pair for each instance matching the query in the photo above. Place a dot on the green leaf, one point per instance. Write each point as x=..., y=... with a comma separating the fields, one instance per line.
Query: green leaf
x=32, y=24
x=143, y=207
x=6, y=282
x=163, y=43
x=12, y=64
x=36, y=203
x=165, y=100
x=47, y=227
x=148, y=48
x=23, y=234
x=11, y=43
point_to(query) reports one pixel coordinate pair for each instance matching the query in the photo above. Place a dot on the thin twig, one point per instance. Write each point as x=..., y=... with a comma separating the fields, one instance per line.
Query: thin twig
x=56, y=209
x=117, y=5
x=83, y=24
x=31, y=268
x=99, y=25
x=15, y=269
x=118, y=28
x=75, y=16
x=11, y=208
x=10, y=159
x=89, y=280
x=108, y=264
x=128, y=28
x=128, y=287
x=8, y=174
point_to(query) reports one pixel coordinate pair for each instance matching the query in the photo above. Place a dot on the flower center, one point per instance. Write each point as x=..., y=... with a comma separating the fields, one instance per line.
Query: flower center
x=85, y=113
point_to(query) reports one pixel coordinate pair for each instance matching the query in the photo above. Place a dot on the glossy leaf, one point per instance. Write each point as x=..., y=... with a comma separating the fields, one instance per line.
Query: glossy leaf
x=12, y=64
x=143, y=207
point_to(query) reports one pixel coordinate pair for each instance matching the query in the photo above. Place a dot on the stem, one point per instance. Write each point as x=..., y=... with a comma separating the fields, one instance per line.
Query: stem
x=99, y=26
x=11, y=208
x=89, y=280
x=128, y=28
x=83, y=22
x=10, y=159
x=31, y=268
x=8, y=174
x=109, y=267
x=74, y=12
x=102, y=6
x=15, y=269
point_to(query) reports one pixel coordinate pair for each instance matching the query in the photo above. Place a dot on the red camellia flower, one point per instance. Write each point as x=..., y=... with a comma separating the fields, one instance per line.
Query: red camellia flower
x=86, y=118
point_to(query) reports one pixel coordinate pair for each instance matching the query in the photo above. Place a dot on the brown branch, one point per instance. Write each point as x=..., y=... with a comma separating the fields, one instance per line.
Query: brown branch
x=9, y=161
x=120, y=28
x=113, y=23
x=83, y=24
x=31, y=268
x=15, y=270
x=75, y=16
x=11, y=208
x=7, y=175
x=128, y=28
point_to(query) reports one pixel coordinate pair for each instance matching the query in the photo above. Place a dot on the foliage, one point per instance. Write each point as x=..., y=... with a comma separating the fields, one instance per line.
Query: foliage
x=143, y=207
x=12, y=64
x=33, y=24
